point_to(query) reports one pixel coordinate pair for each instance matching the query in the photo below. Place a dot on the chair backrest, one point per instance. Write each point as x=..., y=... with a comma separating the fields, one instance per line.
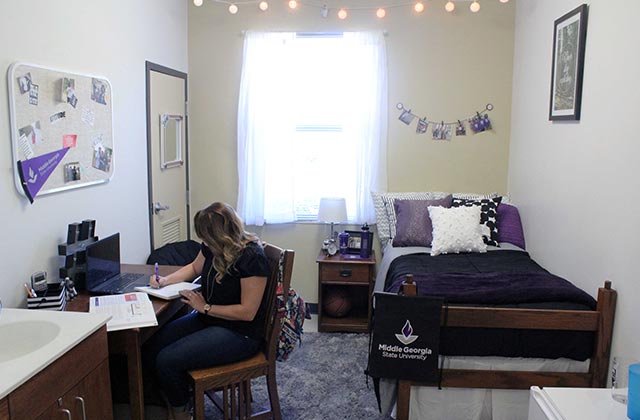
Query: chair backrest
x=280, y=264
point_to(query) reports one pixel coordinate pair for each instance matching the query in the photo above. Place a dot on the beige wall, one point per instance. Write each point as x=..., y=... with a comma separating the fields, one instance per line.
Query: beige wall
x=443, y=66
x=577, y=183
x=110, y=38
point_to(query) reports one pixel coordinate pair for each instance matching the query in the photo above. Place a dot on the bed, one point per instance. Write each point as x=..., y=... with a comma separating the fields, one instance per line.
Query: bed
x=528, y=328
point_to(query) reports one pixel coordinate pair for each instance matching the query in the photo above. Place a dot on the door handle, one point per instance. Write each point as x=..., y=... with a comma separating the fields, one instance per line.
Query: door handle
x=157, y=207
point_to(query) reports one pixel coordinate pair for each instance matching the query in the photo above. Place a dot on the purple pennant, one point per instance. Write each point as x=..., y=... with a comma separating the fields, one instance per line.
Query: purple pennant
x=35, y=172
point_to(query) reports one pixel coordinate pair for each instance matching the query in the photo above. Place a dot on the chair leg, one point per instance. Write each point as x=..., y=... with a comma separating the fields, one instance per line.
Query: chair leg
x=272, y=387
x=247, y=397
x=198, y=401
x=225, y=402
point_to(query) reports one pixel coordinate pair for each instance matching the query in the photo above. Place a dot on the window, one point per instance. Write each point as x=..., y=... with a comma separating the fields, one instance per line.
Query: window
x=311, y=123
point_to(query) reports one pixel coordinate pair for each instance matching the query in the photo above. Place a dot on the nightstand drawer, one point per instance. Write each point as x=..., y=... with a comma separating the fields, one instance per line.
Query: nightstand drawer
x=345, y=272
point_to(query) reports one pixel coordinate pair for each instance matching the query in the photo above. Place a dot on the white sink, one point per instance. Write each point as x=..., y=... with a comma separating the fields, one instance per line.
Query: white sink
x=30, y=340
x=17, y=339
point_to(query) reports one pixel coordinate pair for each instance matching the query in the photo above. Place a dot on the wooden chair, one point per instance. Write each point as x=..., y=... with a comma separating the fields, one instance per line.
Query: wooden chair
x=234, y=380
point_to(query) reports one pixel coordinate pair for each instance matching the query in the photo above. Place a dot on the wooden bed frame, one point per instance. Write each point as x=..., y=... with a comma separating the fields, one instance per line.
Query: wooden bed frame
x=599, y=321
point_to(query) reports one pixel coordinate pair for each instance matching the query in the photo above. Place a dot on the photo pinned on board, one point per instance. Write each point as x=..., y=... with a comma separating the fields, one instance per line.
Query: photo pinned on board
x=68, y=92
x=54, y=118
x=24, y=82
x=98, y=91
x=69, y=140
x=461, y=129
x=72, y=172
x=421, y=128
x=102, y=158
x=33, y=95
x=32, y=133
x=442, y=131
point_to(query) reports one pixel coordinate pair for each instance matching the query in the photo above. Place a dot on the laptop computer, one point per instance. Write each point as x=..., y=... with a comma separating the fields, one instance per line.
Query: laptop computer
x=103, y=269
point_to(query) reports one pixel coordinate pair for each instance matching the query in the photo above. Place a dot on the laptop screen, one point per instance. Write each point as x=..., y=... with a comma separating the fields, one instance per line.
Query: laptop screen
x=103, y=260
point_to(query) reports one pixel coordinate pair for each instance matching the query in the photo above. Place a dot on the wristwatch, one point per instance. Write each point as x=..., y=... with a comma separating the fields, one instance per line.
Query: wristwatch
x=206, y=308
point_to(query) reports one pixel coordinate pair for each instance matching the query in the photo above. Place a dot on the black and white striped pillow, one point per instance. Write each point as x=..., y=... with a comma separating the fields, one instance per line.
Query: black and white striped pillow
x=488, y=215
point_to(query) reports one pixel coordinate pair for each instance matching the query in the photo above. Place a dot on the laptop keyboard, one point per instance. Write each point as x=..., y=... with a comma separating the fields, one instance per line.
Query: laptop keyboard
x=128, y=279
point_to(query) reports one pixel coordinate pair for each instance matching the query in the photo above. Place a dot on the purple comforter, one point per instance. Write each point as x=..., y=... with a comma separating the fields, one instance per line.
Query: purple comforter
x=497, y=288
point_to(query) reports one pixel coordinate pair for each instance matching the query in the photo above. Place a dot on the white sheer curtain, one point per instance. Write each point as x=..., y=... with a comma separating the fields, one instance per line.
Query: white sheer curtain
x=266, y=130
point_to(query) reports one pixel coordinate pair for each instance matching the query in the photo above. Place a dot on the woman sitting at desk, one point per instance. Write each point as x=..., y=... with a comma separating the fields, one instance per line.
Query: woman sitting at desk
x=226, y=325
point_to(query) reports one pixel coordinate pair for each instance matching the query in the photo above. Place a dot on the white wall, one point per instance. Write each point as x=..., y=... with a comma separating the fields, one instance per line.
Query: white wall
x=110, y=38
x=577, y=183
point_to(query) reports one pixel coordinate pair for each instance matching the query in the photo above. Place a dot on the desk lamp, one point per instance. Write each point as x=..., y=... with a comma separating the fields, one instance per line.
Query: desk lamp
x=332, y=210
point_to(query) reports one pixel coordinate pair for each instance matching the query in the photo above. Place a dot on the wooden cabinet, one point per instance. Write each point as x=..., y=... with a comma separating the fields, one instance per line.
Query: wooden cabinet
x=4, y=409
x=354, y=278
x=74, y=386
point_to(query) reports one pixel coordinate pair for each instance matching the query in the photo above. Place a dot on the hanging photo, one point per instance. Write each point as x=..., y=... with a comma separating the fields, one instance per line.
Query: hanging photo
x=442, y=131
x=460, y=129
x=406, y=116
x=421, y=128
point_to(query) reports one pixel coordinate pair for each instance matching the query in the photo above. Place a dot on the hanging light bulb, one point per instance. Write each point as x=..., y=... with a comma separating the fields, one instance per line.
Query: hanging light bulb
x=342, y=14
x=263, y=5
x=293, y=4
x=233, y=9
x=418, y=7
x=450, y=6
x=475, y=6
x=381, y=13
x=197, y=3
x=504, y=1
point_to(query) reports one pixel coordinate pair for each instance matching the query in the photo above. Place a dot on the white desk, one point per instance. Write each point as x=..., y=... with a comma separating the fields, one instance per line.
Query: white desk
x=574, y=404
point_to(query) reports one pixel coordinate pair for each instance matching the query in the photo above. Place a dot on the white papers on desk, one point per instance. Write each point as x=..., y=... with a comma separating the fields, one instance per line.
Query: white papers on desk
x=171, y=291
x=130, y=310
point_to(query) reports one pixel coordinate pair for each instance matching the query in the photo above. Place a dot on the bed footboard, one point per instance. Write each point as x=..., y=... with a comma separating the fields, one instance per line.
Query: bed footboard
x=599, y=321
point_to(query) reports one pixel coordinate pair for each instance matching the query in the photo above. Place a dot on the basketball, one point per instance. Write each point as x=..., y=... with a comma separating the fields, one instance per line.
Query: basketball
x=336, y=302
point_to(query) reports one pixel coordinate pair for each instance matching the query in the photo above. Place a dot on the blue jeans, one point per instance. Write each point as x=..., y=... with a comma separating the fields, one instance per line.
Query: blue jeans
x=189, y=343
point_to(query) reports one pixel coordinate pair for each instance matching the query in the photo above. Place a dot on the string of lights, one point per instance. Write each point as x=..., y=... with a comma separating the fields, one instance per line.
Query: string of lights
x=418, y=6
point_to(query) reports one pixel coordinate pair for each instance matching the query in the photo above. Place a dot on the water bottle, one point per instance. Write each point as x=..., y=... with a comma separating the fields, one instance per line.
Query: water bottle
x=365, y=237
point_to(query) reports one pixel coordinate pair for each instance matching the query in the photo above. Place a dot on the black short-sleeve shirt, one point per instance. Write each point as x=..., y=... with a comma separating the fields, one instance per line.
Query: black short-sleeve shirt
x=251, y=262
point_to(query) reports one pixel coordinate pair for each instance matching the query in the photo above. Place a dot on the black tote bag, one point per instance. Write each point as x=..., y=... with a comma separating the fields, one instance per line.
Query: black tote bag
x=405, y=337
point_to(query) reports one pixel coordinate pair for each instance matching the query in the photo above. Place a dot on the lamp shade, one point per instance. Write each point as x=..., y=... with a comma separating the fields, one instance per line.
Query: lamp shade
x=332, y=209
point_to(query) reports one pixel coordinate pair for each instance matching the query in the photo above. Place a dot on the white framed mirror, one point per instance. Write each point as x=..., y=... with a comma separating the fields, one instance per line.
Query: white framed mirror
x=170, y=141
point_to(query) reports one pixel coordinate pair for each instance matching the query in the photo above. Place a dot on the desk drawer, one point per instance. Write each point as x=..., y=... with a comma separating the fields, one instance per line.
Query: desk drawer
x=356, y=273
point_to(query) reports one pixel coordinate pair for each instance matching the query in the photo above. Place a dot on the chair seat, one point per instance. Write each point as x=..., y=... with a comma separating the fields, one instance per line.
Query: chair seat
x=217, y=376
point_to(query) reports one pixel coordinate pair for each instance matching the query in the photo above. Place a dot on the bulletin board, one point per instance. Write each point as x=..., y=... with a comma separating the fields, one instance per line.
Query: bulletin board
x=61, y=129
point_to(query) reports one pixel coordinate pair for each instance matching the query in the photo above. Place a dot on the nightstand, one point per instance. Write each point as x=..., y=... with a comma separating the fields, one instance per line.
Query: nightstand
x=355, y=276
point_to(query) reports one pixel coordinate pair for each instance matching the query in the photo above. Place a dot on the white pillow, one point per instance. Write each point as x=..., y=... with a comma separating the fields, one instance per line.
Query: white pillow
x=456, y=229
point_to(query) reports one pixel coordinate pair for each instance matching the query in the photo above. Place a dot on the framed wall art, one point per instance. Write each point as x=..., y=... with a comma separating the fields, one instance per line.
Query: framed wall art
x=570, y=33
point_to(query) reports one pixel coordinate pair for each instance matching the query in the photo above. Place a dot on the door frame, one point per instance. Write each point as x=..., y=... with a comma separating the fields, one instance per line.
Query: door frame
x=149, y=67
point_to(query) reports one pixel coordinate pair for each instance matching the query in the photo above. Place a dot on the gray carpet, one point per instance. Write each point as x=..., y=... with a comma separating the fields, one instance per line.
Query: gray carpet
x=323, y=379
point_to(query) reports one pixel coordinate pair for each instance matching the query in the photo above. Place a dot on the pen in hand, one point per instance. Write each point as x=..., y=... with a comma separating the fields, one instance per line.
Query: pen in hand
x=157, y=276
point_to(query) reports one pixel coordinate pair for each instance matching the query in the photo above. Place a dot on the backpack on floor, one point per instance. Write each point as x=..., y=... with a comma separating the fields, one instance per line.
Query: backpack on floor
x=293, y=312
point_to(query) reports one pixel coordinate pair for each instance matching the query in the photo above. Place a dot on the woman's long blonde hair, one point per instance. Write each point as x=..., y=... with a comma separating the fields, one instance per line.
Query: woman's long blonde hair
x=221, y=228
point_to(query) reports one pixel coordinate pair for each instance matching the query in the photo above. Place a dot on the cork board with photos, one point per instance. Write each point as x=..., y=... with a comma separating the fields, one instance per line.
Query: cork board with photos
x=61, y=129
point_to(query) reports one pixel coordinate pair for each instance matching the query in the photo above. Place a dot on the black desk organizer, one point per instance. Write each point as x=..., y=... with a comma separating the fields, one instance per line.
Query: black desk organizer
x=79, y=235
x=53, y=299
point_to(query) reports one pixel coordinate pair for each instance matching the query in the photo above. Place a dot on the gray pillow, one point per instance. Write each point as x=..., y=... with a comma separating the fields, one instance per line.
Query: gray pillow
x=413, y=227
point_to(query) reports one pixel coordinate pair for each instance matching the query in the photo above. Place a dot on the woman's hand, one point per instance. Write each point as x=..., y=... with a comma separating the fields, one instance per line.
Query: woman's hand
x=193, y=299
x=160, y=282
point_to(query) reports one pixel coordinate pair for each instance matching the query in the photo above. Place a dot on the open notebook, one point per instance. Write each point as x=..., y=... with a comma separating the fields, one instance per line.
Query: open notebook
x=169, y=292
